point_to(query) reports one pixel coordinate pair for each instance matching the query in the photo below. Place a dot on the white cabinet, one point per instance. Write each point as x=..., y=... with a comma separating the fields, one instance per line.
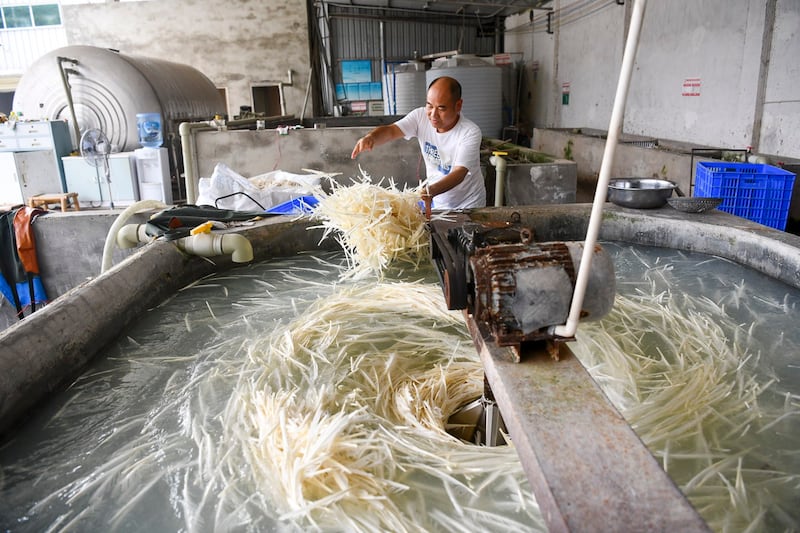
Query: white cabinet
x=90, y=182
x=26, y=174
x=30, y=159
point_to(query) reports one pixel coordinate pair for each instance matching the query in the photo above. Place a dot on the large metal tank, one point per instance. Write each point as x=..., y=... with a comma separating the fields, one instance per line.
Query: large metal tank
x=481, y=89
x=109, y=88
x=404, y=88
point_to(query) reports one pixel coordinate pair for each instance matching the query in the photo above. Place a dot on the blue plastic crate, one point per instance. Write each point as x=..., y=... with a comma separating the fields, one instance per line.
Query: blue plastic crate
x=760, y=193
x=298, y=206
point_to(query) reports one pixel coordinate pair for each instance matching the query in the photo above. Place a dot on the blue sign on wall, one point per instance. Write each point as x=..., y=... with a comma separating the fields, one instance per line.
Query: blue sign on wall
x=356, y=71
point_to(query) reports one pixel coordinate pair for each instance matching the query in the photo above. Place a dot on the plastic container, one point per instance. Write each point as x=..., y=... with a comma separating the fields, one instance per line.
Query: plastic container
x=298, y=206
x=757, y=192
x=149, y=126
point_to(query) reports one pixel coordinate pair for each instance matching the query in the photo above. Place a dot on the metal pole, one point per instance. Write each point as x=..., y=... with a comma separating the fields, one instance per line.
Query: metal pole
x=68, y=91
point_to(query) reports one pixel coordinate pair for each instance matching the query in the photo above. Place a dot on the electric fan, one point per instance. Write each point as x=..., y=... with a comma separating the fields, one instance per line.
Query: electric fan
x=95, y=148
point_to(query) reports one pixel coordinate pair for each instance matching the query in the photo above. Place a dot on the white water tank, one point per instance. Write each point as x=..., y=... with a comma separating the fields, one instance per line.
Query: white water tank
x=109, y=89
x=481, y=89
x=404, y=88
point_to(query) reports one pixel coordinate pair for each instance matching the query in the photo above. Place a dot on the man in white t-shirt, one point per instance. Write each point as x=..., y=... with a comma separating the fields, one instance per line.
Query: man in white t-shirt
x=450, y=145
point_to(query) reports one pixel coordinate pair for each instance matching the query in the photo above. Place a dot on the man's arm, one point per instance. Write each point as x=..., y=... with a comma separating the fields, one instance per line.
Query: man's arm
x=447, y=182
x=378, y=136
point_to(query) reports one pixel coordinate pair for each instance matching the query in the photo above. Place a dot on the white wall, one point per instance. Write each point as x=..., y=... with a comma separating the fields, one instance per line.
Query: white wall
x=236, y=44
x=719, y=42
x=780, y=128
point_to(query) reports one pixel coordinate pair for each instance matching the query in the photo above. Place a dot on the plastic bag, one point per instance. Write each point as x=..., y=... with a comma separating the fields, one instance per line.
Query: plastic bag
x=226, y=189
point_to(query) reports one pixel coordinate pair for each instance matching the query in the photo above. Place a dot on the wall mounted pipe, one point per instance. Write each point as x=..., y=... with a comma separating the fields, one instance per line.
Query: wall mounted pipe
x=500, y=165
x=614, y=129
x=189, y=150
x=188, y=130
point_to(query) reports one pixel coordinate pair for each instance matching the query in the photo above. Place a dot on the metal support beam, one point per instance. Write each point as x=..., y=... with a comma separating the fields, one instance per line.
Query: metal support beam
x=587, y=468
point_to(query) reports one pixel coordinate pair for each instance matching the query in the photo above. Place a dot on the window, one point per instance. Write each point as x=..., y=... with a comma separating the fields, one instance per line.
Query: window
x=46, y=15
x=29, y=16
x=17, y=16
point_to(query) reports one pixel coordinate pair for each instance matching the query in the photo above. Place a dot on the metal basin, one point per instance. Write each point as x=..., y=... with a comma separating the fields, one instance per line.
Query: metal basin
x=640, y=193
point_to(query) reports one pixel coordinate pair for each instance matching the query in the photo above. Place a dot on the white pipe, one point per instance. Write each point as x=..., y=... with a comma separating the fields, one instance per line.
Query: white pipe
x=499, y=163
x=131, y=235
x=615, y=127
x=189, y=151
x=123, y=217
x=211, y=245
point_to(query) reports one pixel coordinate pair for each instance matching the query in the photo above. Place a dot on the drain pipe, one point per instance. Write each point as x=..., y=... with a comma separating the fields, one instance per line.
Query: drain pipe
x=205, y=244
x=615, y=127
x=117, y=229
x=200, y=242
x=499, y=163
x=68, y=92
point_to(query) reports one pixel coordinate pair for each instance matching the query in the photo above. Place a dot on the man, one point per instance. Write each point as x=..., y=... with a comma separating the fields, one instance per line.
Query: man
x=450, y=145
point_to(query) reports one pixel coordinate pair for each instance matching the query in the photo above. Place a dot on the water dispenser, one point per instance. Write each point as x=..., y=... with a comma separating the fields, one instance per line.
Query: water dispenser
x=152, y=169
x=149, y=127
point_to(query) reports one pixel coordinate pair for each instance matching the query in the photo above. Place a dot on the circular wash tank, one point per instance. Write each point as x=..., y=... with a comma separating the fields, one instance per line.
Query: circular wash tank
x=109, y=88
x=481, y=89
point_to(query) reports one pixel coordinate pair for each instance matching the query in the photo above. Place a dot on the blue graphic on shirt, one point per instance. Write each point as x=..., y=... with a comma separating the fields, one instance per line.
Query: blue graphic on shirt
x=431, y=153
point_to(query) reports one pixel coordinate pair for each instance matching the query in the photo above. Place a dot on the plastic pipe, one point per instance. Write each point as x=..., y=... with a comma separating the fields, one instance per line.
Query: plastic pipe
x=131, y=235
x=615, y=127
x=499, y=163
x=189, y=151
x=123, y=217
x=211, y=245
x=189, y=148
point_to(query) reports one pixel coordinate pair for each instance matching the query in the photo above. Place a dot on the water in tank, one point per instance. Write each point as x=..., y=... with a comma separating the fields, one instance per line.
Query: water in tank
x=481, y=89
x=109, y=89
x=404, y=87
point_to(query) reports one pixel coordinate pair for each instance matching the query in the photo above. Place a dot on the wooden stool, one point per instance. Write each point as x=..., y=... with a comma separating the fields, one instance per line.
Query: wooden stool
x=60, y=198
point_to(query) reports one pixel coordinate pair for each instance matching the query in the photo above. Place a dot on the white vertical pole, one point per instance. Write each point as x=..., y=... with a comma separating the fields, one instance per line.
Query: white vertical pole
x=614, y=129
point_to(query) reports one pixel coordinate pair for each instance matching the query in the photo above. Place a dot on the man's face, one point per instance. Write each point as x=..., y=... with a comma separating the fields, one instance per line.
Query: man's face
x=442, y=110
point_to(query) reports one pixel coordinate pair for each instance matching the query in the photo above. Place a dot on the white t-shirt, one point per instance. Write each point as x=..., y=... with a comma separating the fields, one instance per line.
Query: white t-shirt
x=458, y=147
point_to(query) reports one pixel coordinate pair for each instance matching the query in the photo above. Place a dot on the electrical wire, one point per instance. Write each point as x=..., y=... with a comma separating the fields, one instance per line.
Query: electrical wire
x=563, y=16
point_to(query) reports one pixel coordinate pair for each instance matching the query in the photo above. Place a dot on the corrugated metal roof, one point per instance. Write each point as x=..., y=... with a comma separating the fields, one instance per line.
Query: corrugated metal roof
x=475, y=8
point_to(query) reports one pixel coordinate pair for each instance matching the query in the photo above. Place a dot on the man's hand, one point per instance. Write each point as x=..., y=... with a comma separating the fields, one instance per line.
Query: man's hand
x=365, y=143
x=377, y=137
x=427, y=199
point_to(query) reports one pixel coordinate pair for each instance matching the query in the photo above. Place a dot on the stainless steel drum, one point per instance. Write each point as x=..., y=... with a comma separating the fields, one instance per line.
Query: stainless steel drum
x=109, y=88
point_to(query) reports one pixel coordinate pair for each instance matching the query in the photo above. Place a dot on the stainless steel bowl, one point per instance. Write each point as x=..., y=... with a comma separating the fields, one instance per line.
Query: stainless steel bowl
x=640, y=193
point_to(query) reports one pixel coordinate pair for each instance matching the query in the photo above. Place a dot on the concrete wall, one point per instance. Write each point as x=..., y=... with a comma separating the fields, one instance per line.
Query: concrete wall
x=253, y=152
x=742, y=53
x=69, y=251
x=629, y=160
x=236, y=44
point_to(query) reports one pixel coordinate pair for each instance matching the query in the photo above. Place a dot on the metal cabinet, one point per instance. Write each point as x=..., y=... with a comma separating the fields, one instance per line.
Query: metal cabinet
x=30, y=159
x=89, y=181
